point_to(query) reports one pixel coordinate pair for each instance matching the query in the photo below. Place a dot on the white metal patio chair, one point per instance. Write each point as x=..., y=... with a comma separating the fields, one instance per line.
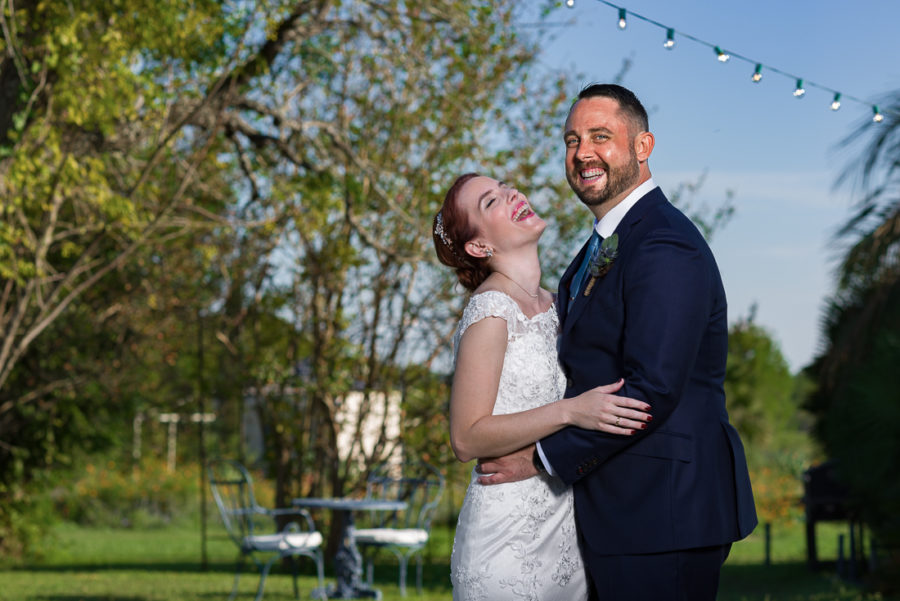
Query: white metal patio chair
x=251, y=526
x=403, y=533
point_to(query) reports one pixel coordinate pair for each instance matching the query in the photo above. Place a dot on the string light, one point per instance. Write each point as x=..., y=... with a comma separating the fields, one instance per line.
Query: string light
x=722, y=56
x=670, y=39
x=757, y=74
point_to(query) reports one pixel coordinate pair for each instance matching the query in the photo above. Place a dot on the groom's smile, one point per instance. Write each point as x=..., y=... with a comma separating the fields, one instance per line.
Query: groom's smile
x=589, y=176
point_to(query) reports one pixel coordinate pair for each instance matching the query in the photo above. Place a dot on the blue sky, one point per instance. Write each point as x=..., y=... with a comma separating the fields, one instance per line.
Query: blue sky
x=778, y=154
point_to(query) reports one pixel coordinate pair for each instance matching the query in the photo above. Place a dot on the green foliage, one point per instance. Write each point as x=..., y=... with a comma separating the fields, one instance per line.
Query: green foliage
x=855, y=403
x=777, y=493
x=27, y=514
x=107, y=494
x=763, y=405
x=857, y=409
x=864, y=430
x=95, y=171
x=758, y=384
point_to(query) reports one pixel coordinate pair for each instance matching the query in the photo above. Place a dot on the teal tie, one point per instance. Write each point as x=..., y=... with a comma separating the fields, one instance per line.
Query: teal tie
x=593, y=245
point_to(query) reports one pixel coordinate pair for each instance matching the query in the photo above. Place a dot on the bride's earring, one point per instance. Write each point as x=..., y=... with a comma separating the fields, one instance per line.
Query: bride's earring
x=489, y=252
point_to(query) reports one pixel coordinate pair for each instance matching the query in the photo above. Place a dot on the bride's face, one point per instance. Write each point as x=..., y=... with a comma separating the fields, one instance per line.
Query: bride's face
x=501, y=214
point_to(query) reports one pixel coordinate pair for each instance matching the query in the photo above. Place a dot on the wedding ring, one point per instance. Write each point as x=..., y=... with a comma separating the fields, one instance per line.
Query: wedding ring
x=617, y=421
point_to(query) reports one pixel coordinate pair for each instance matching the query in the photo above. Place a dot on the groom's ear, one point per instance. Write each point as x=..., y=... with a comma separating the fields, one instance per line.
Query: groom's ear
x=643, y=145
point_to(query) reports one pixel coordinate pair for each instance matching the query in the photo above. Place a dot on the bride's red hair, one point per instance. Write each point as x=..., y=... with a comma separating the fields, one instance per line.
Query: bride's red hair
x=451, y=230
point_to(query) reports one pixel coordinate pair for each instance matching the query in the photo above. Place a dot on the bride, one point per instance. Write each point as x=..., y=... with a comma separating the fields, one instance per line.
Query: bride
x=516, y=540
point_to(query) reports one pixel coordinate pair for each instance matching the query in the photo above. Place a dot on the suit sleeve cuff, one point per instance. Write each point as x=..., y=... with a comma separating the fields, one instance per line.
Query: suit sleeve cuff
x=543, y=457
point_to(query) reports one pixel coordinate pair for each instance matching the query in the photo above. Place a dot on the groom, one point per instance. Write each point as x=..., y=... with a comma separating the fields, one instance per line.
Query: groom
x=657, y=511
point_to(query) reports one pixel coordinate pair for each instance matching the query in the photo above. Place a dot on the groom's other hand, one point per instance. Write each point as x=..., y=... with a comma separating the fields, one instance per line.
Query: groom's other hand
x=509, y=468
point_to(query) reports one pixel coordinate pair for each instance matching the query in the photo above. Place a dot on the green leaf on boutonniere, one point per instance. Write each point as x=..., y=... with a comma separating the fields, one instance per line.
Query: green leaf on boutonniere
x=601, y=260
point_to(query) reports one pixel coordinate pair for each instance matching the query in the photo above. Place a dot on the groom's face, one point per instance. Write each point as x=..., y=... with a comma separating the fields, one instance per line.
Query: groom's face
x=601, y=164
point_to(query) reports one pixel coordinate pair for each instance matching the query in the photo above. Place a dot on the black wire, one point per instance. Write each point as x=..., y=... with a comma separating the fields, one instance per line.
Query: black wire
x=755, y=63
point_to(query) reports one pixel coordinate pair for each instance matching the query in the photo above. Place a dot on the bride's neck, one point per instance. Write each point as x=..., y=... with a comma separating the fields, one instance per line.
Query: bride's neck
x=524, y=271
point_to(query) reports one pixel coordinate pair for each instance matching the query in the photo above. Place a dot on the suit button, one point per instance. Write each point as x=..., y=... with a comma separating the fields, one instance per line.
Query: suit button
x=568, y=382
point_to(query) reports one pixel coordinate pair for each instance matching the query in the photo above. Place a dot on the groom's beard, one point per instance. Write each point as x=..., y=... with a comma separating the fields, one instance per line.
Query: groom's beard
x=618, y=180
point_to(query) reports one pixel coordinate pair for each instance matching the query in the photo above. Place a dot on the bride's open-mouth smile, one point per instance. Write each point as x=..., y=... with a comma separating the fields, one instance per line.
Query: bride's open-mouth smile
x=523, y=211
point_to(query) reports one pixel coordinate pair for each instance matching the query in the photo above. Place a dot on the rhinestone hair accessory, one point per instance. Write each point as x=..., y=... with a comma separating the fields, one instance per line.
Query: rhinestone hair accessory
x=439, y=230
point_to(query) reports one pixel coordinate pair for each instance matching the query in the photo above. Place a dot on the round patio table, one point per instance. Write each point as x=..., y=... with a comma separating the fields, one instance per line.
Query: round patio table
x=347, y=559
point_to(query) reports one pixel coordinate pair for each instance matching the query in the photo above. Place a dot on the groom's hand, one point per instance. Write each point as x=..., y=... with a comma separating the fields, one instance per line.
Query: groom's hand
x=509, y=468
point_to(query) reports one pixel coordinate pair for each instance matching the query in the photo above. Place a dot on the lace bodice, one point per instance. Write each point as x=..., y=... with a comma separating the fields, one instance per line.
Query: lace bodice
x=517, y=541
x=531, y=374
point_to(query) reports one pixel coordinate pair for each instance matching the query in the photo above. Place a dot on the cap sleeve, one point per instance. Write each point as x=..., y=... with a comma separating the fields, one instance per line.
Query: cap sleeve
x=489, y=304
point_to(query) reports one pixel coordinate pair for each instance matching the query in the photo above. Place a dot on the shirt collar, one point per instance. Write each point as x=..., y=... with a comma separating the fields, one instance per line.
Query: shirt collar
x=606, y=226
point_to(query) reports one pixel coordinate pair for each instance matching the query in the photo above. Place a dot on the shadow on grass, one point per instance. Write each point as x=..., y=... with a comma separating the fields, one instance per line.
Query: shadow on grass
x=435, y=576
x=247, y=570
x=81, y=597
x=125, y=566
x=785, y=581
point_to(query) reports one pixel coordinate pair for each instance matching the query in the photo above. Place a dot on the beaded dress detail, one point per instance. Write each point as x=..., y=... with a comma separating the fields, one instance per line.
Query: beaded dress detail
x=517, y=541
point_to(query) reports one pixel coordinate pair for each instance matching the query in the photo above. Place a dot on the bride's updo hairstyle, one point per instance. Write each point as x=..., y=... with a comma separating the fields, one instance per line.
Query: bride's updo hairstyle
x=451, y=232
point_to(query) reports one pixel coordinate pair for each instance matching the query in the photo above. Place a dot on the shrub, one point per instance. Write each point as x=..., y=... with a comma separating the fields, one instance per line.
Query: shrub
x=107, y=494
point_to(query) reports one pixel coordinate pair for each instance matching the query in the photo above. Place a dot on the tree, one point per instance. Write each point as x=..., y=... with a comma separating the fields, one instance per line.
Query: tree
x=303, y=148
x=305, y=145
x=349, y=133
x=765, y=405
x=855, y=402
x=93, y=166
x=758, y=385
x=95, y=175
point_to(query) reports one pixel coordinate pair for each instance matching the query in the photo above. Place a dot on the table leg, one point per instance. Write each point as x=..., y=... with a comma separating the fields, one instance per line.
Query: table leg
x=348, y=565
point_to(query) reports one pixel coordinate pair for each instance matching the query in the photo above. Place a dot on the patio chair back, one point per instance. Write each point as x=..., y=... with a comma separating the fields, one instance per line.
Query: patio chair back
x=418, y=484
x=254, y=528
x=404, y=533
x=232, y=489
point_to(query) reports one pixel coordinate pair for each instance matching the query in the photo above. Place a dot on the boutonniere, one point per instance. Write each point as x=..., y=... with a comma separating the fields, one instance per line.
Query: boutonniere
x=602, y=260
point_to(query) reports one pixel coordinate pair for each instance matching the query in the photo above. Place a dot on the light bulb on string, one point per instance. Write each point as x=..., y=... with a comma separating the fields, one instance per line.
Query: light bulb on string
x=670, y=39
x=757, y=74
x=836, y=103
x=723, y=57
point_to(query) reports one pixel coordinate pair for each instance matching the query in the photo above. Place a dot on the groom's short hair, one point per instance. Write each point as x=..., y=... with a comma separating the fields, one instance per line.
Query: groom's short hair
x=628, y=102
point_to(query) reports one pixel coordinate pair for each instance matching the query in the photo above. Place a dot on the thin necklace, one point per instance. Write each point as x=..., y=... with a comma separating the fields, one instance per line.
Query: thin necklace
x=520, y=285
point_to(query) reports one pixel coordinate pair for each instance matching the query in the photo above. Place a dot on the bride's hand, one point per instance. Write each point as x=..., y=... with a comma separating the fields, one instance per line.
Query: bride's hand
x=600, y=409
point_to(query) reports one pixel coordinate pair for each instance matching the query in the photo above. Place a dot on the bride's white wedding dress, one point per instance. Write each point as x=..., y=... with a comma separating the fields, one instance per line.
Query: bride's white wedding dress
x=517, y=541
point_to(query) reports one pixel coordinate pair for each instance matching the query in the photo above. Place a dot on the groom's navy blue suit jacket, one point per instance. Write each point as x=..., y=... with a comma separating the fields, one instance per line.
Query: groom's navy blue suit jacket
x=657, y=319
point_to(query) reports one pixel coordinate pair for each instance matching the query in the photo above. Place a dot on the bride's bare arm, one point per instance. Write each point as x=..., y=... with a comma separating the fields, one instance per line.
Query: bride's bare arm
x=474, y=432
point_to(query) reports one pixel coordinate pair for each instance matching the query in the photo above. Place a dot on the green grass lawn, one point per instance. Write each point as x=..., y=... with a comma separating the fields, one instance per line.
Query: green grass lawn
x=165, y=564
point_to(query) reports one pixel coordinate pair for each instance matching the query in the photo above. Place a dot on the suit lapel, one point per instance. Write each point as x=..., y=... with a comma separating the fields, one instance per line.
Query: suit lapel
x=573, y=309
